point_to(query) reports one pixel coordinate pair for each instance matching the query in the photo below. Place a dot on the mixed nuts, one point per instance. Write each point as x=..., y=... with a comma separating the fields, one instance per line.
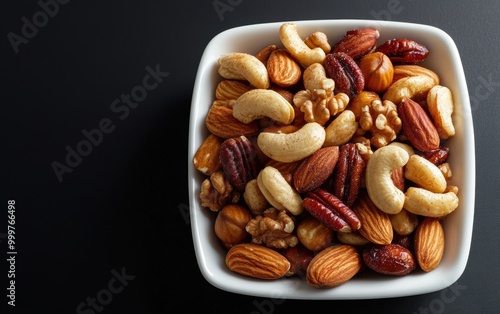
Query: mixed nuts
x=328, y=159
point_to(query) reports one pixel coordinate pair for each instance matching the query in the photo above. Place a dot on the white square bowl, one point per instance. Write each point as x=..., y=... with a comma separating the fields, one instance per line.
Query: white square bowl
x=445, y=60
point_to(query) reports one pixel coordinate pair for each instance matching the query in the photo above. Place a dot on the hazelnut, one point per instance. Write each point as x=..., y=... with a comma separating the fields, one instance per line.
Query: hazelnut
x=313, y=234
x=230, y=224
x=378, y=71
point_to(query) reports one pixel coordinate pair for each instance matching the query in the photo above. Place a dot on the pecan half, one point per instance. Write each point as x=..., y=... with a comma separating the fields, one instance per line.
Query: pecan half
x=402, y=50
x=437, y=156
x=357, y=42
x=238, y=160
x=348, y=174
x=330, y=210
x=345, y=72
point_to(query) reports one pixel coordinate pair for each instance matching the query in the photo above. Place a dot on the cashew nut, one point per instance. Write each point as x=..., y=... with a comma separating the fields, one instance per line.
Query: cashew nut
x=292, y=146
x=258, y=103
x=409, y=87
x=244, y=66
x=426, y=203
x=290, y=38
x=425, y=174
x=404, y=222
x=341, y=130
x=318, y=39
x=409, y=149
x=380, y=187
x=314, y=77
x=278, y=192
x=440, y=104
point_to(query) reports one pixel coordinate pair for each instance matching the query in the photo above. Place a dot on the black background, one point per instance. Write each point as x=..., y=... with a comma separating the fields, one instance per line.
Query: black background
x=124, y=207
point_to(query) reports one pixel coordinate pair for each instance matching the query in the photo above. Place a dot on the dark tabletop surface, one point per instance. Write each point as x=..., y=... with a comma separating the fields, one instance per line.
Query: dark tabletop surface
x=110, y=233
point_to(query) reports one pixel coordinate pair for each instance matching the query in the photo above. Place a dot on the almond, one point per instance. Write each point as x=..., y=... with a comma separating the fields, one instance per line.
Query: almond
x=417, y=126
x=206, y=158
x=231, y=89
x=221, y=122
x=429, y=243
x=333, y=266
x=315, y=169
x=283, y=70
x=257, y=261
x=375, y=224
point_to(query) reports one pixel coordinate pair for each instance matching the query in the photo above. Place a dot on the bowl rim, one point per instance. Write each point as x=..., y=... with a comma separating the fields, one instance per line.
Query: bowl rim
x=291, y=288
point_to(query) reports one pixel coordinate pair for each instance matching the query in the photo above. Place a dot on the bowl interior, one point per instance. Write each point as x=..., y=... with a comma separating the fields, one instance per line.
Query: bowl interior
x=444, y=59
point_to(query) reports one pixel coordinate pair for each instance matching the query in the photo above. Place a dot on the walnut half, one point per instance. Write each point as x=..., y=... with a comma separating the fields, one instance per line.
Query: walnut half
x=273, y=229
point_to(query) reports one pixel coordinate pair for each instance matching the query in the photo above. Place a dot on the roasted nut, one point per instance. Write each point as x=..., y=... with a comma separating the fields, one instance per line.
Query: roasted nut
x=417, y=126
x=239, y=65
x=287, y=169
x=283, y=70
x=328, y=209
x=254, y=199
x=381, y=120
x=414, y=87
x=221, y=122
x=349, y=174
x=341, y=129
x=345, y=72
x=398, y=178
x=429, y=204
x=405, y=70
x=238, y=160
x=292, y=41
x=375, y=224
x=357, y=42
x=273, y=229
x=217, y=191
x=278, y=192
x=285, y=93
x=318, y=39
x=299, y=258
x=402, y=50
x=429, y=243
x=257, y=261
x=425, y=174
x=390, y=259
x=206, y=158
x=265, y=52
x=293, y=146
x=377, y=70
x=230, y=224
x=231, y=89
x=404, y=240
x=313, y=234
x=437, y=156
x=313, y=171
x=380, y=187
x=364, y=147
x=408, y=148
x=445, y=169
x=352, y=238
x=333, y=266
x=363, y=99
x=260, y=103
x=441, y=106
x=404, y=222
